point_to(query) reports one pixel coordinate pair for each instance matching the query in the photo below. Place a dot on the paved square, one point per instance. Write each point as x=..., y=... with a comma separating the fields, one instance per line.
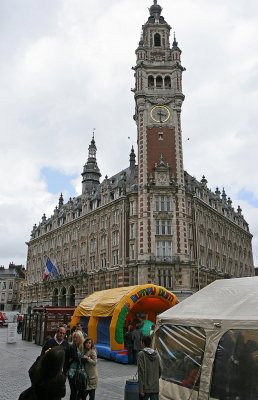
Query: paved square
x=16, y=358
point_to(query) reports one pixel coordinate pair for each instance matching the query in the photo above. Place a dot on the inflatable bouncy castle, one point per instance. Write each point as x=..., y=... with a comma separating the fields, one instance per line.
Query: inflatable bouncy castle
x=106, y=314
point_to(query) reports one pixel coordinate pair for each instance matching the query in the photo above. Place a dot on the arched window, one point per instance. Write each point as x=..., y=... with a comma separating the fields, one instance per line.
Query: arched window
x=167, y=82
x=150, y=82
x=157, y=41
x=159, y=82
x=71, y=297
x=63, y=297
x=55, y=298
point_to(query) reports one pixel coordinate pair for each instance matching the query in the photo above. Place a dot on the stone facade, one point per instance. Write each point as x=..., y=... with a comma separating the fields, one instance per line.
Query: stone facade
x=151, y=222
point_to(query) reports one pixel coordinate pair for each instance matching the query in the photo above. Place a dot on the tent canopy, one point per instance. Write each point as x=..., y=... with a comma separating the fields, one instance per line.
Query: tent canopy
x=225, y=299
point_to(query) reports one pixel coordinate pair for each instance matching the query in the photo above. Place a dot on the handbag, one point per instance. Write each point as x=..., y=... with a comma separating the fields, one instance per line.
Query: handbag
x=80, y=378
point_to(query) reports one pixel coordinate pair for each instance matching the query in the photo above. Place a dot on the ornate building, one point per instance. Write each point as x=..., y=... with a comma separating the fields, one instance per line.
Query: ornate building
x=12, y=280
x=151, y=222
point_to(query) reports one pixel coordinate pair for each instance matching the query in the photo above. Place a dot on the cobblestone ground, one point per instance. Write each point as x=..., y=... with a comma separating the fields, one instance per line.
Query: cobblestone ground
x=16, y=358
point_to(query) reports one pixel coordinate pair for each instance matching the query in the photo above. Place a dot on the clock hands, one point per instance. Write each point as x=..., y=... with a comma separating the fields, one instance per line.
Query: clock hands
x=161, y=114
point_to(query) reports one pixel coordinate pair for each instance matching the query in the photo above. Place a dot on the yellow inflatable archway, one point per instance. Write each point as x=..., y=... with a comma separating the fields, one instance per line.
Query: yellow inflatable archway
x=118, y=303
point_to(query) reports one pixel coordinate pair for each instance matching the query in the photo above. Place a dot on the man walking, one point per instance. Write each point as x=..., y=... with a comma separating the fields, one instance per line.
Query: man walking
x=149, y=371
x=57, y=340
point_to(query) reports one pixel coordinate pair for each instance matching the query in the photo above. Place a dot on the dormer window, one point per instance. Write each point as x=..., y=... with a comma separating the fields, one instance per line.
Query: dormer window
x=157, y=40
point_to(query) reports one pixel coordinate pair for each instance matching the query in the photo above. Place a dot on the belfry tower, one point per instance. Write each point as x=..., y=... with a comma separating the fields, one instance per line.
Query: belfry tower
x=158, y=102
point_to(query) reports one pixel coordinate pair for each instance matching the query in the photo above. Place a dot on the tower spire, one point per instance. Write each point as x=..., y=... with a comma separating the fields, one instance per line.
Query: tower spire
x=91, y=172
x=132, y=158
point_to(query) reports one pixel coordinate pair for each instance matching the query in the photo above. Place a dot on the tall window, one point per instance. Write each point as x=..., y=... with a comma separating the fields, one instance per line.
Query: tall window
x=150, y=82
x=163, y=227
x=103, y=260
x=115, y=238
x=167, y=82
x=165, y=278
x=92, y=262
x=163, y=248
x=116, y=217
x=93, y=245
x=132, y=231
x=162, y=203
x=103, y=242
x=132, y=251
x=159, y=82
x=191, y=252
x=157, y=41
x=132, y=208
x=115, y=257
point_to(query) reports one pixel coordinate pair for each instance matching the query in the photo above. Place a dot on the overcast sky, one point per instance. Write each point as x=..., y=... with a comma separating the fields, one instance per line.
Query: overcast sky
x=65, y=69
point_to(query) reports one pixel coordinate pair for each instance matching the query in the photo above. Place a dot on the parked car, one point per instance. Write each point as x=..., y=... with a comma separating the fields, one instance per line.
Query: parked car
x=3, y=318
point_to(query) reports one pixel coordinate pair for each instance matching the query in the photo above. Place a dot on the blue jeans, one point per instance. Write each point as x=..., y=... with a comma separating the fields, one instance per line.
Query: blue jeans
x=151, y=396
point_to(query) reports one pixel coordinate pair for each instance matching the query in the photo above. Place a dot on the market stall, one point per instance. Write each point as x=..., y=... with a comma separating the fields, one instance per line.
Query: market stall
x=209, y=343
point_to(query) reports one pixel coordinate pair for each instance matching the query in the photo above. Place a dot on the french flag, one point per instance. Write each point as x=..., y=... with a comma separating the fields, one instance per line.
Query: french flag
x=50, y=269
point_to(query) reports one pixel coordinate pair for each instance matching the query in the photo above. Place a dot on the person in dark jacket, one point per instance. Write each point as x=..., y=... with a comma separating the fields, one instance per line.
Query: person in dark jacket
x=136, y=337
x=57, y=340
x=149, y=371
x=128, y=342
x=48, y=379
x=74, y=357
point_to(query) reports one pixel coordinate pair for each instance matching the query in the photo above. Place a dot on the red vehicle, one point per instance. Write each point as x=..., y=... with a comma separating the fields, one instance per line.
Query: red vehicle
x=3, y=318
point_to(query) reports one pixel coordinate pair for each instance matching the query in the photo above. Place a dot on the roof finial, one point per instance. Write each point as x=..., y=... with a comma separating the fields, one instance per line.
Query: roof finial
x=175, y=43
x=155, y=10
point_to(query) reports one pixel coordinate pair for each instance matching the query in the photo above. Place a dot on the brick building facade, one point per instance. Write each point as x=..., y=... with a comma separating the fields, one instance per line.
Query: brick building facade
x=150, y=223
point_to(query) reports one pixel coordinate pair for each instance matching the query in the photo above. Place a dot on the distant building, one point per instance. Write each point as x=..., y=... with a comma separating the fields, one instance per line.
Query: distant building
x=12, y=281
x=151, y=222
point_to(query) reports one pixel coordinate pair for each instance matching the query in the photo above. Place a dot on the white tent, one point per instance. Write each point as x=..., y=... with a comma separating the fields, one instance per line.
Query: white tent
x=212, y=338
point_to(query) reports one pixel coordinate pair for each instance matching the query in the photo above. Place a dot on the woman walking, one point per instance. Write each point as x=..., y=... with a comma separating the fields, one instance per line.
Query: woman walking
x=90, y=362
x=75, y=363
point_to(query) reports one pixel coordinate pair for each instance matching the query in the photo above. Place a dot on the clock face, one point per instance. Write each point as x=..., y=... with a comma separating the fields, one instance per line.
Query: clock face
x=160, y=114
